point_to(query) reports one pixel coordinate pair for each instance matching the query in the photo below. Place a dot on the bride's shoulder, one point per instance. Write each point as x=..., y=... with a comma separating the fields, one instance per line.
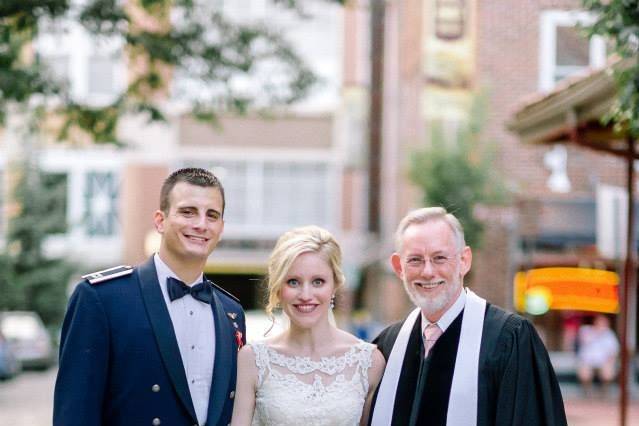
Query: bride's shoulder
x=347, y=341
x=276, y=343
x=256, y=347
x=246, y=359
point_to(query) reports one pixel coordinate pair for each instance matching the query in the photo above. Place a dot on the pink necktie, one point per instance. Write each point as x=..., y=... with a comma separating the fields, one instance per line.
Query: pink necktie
x=431, y=334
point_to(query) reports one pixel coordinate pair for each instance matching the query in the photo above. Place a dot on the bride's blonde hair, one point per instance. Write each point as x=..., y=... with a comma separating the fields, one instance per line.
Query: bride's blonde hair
x=289, y=246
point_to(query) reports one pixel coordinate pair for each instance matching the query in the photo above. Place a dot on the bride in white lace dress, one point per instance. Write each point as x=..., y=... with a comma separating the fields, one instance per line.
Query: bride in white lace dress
x=312, y=373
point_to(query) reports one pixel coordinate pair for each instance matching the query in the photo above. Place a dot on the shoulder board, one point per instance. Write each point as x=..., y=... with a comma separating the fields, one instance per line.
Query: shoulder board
x=217, y=287
x=108, y=274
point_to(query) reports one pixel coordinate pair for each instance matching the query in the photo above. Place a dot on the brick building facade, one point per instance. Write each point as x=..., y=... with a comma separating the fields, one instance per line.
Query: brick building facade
x=507, y=50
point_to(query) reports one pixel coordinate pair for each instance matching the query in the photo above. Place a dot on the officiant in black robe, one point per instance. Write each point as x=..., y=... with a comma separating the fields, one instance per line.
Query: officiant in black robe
x=516, y=384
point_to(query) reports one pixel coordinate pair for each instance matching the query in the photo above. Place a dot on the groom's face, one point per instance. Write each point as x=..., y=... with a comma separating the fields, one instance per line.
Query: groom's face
x=432, y=266
x=193, y=224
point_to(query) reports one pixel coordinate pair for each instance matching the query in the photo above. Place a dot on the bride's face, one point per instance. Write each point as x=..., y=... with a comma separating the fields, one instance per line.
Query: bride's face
x=307, y=290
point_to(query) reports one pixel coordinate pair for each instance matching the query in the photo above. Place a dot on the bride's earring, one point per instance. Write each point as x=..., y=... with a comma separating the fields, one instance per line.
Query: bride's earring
x=333, y=302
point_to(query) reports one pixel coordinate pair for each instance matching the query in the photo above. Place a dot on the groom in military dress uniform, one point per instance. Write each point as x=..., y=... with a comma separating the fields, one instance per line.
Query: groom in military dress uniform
x=155, y=344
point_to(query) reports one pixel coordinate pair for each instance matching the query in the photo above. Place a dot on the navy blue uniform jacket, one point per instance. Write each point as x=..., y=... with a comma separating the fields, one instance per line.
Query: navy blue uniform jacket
x=120, y=364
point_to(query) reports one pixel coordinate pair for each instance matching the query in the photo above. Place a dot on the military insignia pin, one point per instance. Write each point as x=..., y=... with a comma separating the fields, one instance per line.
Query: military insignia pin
x=231, y=315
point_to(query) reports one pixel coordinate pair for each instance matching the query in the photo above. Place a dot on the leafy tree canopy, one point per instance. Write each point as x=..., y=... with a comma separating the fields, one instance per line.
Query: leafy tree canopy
x=29, y=278
x=161, y=38
x=618, y=22
x=457, y=173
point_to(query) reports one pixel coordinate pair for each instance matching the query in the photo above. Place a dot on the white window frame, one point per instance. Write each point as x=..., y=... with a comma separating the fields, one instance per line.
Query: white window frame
x=318, y=41
x=255, y=228
x=77, y=243
x=550, y=20
x=76, y=44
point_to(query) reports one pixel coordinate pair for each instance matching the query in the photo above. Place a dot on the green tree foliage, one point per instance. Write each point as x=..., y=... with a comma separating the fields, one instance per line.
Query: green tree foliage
x=618, y=22
x=458, y=174
x=29, y=279
x=186, y=36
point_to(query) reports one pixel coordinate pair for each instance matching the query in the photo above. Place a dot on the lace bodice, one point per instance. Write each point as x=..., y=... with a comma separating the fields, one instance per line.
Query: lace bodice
x=300, y=391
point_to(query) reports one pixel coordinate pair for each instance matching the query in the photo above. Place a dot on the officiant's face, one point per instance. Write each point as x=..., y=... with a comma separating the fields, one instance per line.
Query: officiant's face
x=432, y=266
x=307, y=290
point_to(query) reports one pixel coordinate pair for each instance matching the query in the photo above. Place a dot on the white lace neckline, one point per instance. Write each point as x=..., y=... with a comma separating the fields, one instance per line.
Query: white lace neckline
x=293, y=390
x=304, y=365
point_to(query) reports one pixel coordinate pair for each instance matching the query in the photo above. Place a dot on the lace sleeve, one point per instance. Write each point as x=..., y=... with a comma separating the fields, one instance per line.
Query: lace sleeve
x=261, y=361
x=365, y=362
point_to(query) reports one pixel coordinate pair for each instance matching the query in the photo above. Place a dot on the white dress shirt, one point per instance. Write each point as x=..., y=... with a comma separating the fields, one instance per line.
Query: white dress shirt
x=195, y=333
x=449, y=316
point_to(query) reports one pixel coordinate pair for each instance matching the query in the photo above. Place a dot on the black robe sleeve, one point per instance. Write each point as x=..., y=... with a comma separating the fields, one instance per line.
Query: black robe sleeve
x=525, y=390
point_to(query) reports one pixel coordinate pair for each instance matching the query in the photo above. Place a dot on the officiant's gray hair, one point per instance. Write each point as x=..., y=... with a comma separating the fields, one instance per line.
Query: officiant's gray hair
x=305, y=239
x=429, y=214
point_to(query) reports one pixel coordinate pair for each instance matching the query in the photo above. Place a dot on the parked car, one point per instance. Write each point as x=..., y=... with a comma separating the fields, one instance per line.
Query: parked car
x=9, y=364
x=28, y=338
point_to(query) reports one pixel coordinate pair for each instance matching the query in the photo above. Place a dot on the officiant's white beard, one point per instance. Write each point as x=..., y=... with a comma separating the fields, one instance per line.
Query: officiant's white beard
x=433, y=305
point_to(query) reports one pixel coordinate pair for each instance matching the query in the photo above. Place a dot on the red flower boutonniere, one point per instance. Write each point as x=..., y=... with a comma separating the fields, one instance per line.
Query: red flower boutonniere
x=238, y=339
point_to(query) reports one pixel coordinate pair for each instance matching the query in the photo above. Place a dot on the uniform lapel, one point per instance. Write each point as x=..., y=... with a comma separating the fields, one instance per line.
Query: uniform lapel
x=164, y=334
x=225, y=351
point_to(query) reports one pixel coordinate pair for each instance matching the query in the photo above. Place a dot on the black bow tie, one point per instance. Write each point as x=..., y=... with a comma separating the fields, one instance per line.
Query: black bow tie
x=178, y=289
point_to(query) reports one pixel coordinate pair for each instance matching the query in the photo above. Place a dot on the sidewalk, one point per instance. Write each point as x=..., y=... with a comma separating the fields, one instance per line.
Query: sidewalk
x=597, y=412
x=582, y=412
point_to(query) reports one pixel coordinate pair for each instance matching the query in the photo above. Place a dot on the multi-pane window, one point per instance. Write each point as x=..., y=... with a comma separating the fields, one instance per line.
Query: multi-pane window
x=92, y=67
x=234, y=177
x=55, y=186
x=300, y=189
x=316, y=36
x=100, y=203
x=565, y=49
x=265, y=198
x=449, y=19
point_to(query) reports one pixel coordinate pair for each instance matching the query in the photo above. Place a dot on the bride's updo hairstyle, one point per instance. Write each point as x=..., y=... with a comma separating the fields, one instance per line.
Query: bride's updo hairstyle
x=290, y=245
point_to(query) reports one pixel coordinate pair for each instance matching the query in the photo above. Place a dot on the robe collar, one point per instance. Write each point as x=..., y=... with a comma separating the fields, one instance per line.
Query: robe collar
x=462, y=407
x=449, y=316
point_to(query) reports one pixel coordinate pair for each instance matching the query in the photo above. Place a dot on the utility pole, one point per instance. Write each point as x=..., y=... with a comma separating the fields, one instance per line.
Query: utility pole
x=628, y=295
x=375, y=116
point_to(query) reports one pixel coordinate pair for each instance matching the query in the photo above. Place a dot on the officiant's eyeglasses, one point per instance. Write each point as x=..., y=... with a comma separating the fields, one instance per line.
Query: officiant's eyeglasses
x=438, y=260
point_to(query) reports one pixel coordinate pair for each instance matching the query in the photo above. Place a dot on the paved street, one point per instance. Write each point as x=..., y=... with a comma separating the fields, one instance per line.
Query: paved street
x=27, y=400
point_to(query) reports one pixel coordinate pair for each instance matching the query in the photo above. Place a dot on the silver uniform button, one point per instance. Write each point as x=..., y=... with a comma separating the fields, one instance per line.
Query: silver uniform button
x=232, y=395
x=156, y=422
x=155, y=388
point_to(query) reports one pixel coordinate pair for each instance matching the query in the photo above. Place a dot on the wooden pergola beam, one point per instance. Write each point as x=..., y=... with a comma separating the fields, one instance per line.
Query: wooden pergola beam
x=571, y=114
x=602, y=138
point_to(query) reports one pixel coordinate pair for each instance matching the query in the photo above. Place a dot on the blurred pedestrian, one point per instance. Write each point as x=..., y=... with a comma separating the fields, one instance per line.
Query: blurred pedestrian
x=155, y=344
x=597, y=352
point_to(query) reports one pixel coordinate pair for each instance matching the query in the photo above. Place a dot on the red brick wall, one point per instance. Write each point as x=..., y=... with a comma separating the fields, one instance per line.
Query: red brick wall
x=508, y=70
x=491, y=275
x=508, y=34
